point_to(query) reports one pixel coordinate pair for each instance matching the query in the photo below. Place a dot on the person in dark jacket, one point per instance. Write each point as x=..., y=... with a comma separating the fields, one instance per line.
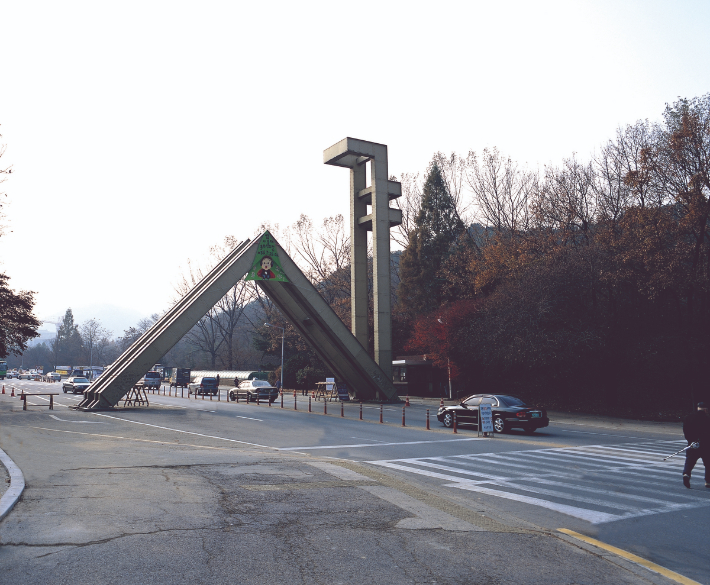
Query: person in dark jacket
x=696, y=429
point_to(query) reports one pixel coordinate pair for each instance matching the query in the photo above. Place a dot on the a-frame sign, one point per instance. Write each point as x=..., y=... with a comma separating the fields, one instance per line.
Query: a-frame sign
x=264, y=261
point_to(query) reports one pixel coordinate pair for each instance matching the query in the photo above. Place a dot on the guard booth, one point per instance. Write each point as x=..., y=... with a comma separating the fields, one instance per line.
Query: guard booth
x=415, y=375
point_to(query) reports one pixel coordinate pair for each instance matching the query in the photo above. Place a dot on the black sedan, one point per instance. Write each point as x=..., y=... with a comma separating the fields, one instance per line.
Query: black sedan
x=509, y=412
x=75, y=384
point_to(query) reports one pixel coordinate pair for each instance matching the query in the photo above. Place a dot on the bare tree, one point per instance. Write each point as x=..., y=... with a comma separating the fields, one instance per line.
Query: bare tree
x=501, y=191
x=230, y=308
x=453, y=171
x=92, y=332
x=565, y=201
x=409, y=203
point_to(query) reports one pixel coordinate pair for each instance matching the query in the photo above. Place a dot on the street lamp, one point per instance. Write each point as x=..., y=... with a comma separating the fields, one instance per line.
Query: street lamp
x=283, y=334
x=448, y=366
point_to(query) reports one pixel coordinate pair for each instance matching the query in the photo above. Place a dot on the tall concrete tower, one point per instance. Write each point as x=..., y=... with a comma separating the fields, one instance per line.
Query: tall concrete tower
x=379, y=219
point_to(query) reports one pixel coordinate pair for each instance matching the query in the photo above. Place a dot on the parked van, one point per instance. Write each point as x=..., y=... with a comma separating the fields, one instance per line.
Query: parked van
x=204, y=385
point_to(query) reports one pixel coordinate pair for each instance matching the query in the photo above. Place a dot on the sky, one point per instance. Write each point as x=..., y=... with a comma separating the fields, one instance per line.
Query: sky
x=142, y=133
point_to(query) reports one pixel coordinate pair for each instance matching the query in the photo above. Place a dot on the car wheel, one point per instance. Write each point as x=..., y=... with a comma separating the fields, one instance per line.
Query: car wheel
x=448, y=420
x=65, y=389
x=232, y=396
x=499, y=425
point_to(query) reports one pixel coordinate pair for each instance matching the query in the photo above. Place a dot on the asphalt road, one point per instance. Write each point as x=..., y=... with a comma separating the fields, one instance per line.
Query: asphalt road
x=600, y=477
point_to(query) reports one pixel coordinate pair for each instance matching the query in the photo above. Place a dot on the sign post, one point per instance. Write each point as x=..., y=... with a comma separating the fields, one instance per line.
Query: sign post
x=485, y=414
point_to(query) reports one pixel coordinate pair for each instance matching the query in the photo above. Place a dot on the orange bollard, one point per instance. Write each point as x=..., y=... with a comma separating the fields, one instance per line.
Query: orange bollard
x=13, y=392
x=455, y=431
x=427, y=419
x=3, y=388
x=441, y=404
x=407, y=403
x=342, y=409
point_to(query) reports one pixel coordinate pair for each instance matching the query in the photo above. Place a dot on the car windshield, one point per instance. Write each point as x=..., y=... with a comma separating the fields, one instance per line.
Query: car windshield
x=152, y=375
x=511, y=401
x=256, y=383
x=81, y=381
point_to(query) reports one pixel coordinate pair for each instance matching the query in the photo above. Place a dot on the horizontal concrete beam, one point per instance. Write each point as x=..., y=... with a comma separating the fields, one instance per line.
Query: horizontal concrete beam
x=394, y=190
x=349, y=152
x=395, y=219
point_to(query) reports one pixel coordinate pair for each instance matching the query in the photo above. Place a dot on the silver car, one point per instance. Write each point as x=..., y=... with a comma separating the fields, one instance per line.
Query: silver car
x=76, y=384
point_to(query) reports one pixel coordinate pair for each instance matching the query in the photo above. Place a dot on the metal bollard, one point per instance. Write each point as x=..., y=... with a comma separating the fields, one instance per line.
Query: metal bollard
x=295, y=404
x=427, y=419
x=258, y=395
x=282, y=399
x=24, y=401
x=342, y=409
x=404, y=425
x=51, y=402
x=361, y=411
x=309, y=404
x=455, y=422
x=380, y=412
x=325, y=406
x=237, y=397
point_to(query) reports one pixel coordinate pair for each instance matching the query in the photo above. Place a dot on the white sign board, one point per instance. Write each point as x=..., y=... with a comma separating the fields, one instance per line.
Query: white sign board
x=329, y=384
x=486, y=414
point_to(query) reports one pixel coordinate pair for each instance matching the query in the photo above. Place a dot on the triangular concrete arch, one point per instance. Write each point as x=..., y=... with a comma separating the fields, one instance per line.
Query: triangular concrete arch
x=297, y=299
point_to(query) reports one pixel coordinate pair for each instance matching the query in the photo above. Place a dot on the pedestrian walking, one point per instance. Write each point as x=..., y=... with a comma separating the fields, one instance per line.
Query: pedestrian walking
x=278, y=386
x=696, y=429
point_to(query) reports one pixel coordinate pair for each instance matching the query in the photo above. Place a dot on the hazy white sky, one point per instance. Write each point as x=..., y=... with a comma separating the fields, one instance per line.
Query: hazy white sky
x=143, y=132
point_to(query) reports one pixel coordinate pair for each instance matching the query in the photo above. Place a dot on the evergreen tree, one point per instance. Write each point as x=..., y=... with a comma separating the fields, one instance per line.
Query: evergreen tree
x=67, y=344
x=436, y=230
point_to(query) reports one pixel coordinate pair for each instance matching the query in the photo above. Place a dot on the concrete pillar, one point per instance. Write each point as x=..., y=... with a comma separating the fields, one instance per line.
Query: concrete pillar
x=355, y=154
x=358, y=256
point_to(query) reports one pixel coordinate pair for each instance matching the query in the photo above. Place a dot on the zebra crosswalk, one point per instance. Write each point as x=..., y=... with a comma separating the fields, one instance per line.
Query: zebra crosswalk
x=597, y=483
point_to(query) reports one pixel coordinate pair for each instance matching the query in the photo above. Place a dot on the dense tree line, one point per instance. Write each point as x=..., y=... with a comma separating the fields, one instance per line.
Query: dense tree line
x=583, y=283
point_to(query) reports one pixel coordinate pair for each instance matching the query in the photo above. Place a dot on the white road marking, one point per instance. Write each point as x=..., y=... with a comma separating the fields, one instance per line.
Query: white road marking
x=375, y=445
x=86, y=422
x=186, y=432
x=632, y=482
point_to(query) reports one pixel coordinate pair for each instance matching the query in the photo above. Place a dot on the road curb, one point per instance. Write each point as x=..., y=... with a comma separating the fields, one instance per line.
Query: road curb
x=625, y=559
x=17, y=485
